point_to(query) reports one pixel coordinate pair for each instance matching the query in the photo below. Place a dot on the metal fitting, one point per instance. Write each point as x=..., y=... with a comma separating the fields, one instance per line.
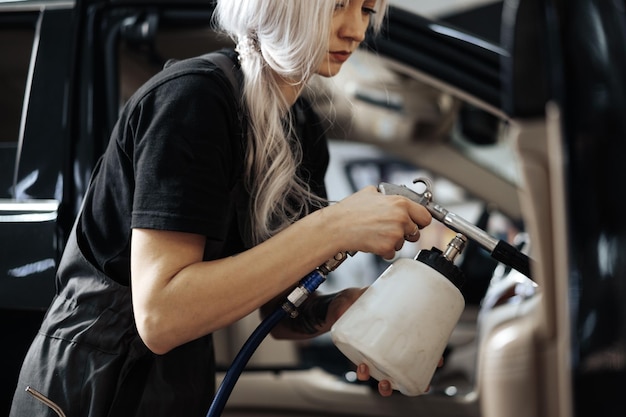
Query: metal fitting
x=455, y=247
x=334, y=262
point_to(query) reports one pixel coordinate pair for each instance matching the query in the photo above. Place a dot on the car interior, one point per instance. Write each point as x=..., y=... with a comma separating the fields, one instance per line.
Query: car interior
x=394, y=123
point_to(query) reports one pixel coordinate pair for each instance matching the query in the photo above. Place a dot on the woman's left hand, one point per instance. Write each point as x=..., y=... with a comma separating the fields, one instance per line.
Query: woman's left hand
x=384, y=386
x=341, y=302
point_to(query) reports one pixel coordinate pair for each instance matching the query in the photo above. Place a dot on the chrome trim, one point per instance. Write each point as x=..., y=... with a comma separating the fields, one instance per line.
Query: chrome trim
x=13, y=211
x=12, y=6
x=28, y=205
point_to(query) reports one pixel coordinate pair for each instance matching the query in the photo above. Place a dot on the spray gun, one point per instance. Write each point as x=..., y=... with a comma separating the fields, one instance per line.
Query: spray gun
x=401, y=324
x=500, y=250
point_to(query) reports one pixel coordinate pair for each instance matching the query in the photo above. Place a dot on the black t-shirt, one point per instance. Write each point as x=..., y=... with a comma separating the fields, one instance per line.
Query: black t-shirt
x=175, y=162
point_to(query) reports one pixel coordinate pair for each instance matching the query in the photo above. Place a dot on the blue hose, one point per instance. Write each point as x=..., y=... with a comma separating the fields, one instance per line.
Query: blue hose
x=309, y=284
x=241, y=360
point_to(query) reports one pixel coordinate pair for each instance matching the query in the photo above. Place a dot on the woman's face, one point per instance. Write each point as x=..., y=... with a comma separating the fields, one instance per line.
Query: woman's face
x=349, y=24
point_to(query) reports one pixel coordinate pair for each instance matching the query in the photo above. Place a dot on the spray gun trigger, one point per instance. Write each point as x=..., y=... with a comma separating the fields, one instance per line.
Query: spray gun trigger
x=428, y=188
x=393, y=189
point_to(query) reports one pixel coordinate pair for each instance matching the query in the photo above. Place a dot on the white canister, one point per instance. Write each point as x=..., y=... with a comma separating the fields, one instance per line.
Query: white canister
x=401, y=325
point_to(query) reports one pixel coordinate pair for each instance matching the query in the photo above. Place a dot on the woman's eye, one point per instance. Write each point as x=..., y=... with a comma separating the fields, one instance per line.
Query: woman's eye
x=368, y=10
x=365, y=9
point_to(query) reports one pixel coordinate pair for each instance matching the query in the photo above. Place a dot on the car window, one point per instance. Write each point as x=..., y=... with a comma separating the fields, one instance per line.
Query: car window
x=16, y=43
x=171, y=36
x=16, y=40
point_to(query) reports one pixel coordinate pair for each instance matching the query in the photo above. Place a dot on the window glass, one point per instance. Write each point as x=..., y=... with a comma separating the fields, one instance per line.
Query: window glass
x=15, y=48
x=141, y=60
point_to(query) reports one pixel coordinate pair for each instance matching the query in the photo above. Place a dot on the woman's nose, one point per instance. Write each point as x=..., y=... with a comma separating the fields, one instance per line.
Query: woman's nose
x=354, y=25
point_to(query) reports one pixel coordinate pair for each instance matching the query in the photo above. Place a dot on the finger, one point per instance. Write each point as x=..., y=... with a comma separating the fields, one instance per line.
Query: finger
x=384, y=388
x=420, y=215
x=362, y=372
x=389, y=256
x=413, y=235
x=414, y=230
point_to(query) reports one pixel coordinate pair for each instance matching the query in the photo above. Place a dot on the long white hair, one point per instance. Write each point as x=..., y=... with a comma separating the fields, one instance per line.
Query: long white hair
x=287, y=39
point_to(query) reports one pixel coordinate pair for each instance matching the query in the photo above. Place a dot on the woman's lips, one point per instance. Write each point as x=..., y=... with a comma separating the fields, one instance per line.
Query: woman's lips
x=340, y=56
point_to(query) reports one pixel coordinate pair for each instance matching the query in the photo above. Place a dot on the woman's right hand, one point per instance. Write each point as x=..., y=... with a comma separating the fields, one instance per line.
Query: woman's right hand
x=369, y=221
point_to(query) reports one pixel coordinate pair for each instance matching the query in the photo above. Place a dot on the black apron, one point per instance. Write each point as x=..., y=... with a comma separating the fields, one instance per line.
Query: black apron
x=89, y=359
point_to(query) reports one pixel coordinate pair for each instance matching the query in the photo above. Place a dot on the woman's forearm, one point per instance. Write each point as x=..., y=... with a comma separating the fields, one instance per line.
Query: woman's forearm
x=178, y=297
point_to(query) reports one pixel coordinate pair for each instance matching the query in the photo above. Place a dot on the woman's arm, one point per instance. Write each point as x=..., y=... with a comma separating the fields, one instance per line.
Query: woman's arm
x=177, y=297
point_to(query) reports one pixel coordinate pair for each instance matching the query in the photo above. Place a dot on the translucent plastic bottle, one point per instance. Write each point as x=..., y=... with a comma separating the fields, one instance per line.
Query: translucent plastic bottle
x=401, y=325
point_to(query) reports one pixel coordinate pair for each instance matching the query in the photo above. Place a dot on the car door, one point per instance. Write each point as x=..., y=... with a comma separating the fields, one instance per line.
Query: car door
x=34, y=129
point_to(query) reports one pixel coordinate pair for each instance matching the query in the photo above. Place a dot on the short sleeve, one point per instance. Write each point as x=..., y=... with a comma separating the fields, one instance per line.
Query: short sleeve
x=185, y=155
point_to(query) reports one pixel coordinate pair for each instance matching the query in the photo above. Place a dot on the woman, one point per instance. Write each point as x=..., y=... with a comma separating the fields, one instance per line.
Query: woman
x=196, y=173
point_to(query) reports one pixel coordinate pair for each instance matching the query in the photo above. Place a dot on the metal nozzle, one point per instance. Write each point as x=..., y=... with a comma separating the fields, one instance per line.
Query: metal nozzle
x=455, y=247
x=499, y=249
x=454, y=222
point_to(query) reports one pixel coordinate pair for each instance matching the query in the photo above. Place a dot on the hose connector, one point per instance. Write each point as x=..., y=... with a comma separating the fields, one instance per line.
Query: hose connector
x=334, y=262
x=455, y=247
x=309, y=284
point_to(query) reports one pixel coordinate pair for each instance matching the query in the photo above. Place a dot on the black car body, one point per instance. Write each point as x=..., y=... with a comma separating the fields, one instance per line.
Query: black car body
x=550, y=72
